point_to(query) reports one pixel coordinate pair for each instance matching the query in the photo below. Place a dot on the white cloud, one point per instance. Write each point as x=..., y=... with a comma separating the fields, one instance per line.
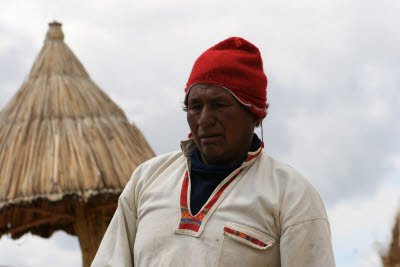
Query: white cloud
x=59, y=250
x=362, y=225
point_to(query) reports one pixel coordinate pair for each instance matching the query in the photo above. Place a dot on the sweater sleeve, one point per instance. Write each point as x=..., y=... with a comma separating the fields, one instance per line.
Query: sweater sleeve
x=307, y=244
x=116, y=248
x=305, y=238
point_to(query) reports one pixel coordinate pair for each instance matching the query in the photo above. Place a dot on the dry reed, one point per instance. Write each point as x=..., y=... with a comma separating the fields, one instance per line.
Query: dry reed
x=66, y=150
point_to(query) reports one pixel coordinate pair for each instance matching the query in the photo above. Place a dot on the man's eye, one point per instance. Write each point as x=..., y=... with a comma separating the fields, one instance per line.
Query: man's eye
x=195, y=107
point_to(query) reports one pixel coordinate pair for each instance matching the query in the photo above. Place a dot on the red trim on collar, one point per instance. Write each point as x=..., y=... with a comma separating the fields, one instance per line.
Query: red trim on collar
x=250, y=157
x=193, y=223
x=190, y=222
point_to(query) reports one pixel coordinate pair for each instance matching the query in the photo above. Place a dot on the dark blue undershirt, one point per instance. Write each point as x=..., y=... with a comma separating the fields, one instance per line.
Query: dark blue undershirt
x=205, y=178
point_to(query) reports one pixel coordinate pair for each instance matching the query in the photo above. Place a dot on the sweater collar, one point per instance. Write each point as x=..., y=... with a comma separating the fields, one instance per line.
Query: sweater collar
x=188, y=146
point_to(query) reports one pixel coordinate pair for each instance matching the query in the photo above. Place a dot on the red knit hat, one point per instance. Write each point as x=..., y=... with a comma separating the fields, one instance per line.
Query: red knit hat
x=236, y=65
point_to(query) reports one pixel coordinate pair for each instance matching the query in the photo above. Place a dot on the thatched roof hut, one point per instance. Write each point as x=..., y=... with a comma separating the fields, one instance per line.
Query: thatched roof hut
x=66, y=151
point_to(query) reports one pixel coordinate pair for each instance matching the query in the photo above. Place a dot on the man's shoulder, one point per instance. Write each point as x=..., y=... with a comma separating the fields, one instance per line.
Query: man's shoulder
x=162, y=159
x=282, y=171
x=149, y=170
x=159, y=164
x=300, y=200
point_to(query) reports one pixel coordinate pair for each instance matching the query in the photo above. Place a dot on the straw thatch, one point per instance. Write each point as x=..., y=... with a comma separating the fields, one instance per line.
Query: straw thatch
x=66, y=150
x=392, y=257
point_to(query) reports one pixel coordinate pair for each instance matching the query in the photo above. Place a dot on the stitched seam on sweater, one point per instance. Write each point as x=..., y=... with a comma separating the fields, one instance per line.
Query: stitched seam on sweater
x=127, y=206
x=304, y=221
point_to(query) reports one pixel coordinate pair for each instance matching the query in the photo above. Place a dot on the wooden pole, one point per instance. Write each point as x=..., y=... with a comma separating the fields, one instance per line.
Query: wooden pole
x=90, y=226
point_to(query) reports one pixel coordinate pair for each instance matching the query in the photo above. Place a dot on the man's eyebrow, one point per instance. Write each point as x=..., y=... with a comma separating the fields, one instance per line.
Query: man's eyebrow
x=194, y=101
x=218, y=99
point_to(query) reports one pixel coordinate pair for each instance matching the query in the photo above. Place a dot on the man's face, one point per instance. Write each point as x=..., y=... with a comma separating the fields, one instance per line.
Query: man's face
x=221, y=127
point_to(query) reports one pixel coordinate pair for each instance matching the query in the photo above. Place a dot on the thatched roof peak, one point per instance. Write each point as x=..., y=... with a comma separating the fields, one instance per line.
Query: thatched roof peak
x=58, y=87
x=54, y=33
x=56, y=58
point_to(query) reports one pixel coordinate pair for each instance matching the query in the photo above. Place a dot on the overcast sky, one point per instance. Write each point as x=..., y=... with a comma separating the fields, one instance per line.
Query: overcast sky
x=333, y=70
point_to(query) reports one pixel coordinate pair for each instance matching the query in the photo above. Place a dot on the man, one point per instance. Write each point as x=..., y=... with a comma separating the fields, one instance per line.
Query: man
x=221, y=201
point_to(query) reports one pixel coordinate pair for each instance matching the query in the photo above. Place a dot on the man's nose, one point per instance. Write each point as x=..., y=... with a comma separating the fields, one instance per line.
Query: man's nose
x=207, y=117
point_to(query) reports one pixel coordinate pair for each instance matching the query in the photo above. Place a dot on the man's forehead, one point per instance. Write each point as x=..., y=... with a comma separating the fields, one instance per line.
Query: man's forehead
x=210, y=90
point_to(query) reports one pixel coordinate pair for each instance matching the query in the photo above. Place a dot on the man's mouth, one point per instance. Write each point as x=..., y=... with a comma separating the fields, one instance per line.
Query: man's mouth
x=210, y=137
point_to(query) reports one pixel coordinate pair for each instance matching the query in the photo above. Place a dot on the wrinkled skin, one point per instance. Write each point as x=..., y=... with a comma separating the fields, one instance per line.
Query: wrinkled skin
x=222, y=128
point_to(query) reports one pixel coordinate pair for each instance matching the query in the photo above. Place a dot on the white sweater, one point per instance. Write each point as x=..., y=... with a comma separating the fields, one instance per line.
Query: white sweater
x=263, y=214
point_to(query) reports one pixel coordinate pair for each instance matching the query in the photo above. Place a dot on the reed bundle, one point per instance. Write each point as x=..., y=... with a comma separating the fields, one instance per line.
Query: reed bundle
x=66, y=149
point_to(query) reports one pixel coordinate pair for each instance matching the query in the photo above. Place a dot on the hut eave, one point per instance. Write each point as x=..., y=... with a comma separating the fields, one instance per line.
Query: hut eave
x=42, y=217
